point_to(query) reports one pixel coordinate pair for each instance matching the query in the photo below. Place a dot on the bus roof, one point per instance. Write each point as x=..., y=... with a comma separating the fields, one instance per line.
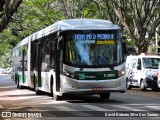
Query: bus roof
x=23, y=42
x=75, y=24
x=78, y=24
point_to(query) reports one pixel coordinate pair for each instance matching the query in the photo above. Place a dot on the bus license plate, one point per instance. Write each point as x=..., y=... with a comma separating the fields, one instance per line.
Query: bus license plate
x=97, y=89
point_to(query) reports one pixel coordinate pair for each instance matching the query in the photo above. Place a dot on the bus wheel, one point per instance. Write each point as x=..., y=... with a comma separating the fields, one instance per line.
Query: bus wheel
x=18, y=85
x=38, y=92
x=142, y=85
x=105, y=95
x=51, y=87
x=17, y=81
x=34, y=82
x=57, y=97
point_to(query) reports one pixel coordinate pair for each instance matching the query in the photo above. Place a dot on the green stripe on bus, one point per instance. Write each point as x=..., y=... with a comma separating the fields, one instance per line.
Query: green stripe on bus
x=96, y=75
x=20, y=78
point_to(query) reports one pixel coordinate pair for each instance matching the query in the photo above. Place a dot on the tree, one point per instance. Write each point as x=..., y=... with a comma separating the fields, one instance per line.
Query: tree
x=30, y=17
x=139, y=17
x=7, y=9
x=77, y=9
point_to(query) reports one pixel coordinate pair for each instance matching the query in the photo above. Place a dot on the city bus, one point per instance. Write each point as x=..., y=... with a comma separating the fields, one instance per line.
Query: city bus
x=73, y=56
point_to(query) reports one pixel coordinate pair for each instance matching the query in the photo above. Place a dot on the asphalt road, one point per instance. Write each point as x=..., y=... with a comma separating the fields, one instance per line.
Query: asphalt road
x=25, y=104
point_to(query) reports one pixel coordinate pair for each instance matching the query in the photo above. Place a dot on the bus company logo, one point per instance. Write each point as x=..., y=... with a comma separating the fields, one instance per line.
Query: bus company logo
x=82, y=76
x=6, y=114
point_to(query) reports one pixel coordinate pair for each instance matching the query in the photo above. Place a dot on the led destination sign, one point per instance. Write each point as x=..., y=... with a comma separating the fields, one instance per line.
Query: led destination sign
x=94, y=36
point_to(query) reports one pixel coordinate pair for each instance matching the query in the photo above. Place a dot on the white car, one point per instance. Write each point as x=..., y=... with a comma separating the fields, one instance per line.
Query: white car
x=1, y=70
x=142, y=71
x=5, y=71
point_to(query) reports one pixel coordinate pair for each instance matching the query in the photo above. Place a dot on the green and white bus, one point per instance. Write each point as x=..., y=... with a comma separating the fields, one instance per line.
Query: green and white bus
x=74, y=56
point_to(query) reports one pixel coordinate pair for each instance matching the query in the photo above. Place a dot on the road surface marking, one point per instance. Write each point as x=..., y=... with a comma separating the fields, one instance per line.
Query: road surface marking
x=127, y=108
x=142, y=104
x=72, y=111
x=1, y=106
x=96, y=108
x=154, y=107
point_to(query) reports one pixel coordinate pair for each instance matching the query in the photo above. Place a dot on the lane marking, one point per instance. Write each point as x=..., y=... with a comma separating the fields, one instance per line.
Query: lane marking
x=127, y=108
x=1, y=106
x=72, y=111
x=142, y=104
x=154, y=107
x=96, y=108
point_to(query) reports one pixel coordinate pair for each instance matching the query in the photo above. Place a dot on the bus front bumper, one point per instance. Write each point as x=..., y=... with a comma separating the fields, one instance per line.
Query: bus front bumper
x=93, y=86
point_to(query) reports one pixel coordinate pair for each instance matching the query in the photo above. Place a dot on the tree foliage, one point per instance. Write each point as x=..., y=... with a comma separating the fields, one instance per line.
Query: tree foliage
x=7, y=9
x=136, y=17
x=139, y=17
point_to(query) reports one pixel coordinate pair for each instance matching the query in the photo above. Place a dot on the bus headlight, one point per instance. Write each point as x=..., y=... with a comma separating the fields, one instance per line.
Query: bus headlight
x=121, y=72
x=69, y=74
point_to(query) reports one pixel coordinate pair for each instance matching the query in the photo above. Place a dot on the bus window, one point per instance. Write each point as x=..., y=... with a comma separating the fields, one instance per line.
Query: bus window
x=33, y=55
x=52, y=56
x=47, y=56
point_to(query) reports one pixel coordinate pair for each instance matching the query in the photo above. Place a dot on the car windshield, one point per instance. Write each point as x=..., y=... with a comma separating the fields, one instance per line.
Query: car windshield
x=93, y=48
x=151, y=63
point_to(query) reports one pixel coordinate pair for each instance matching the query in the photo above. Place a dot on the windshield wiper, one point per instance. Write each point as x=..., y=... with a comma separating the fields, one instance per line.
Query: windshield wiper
x=81, y=69
x=111, y=67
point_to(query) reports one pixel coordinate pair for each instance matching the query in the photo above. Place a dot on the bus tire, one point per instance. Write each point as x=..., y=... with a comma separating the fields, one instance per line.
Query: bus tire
x=18, y=85
x=57, y=97
x=142, y=85
x=15, y=78
x=34, y=82
x=38, y=92
x=105, y=95
x=51, y=86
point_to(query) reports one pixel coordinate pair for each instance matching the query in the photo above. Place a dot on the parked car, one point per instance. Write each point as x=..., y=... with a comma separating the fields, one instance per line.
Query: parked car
x=1, y=70
x=142, y=71
x=9, y=71
x=6, y=71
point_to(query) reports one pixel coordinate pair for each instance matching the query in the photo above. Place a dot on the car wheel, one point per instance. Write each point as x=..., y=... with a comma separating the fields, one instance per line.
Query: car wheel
x=142, y=85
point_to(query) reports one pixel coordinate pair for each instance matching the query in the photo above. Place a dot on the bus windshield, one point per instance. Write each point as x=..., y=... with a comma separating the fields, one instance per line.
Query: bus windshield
x=93, y=48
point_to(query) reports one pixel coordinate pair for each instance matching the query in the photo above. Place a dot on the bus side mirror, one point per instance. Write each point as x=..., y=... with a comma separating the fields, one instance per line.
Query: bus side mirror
x=125, y=50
